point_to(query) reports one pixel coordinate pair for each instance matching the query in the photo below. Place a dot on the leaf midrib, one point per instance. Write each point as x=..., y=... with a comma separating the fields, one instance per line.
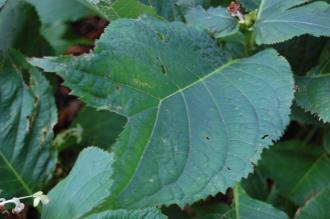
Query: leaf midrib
x=293, y=21
x=200, y=80
x=16, y=174
x=4, y=158
x=304, y=177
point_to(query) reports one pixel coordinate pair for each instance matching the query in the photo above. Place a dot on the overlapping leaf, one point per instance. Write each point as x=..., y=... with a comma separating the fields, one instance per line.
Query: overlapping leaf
x=313, y=89
x=217, y=21
x=19, y=27
x=148, y=213
x=112, y=10
x=174, y=10
x=246, y=207
x=316, y=208
x=54, y=12
x=278, y=21
x=250, y=4
x=27, y=117
x=243, y=206
x=86, y=186
x=313, y=94
x=196, y=121
x=308, y=173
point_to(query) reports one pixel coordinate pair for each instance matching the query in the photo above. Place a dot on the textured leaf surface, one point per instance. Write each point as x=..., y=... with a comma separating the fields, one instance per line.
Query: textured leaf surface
x=148, y=213
x=215, y=20
x=86, y=186
x=313, y=90
x=308, y=173
x=250, y=5
x=246, y=207
x=19, y=28
x=27, y=117
x=313, y=94
x=112, y=10
x=292, y=153
x=315, y=180
x=54, y=12
x=243, y=206
x=193, y=129
x=276, y=22
x=316, y=208
x=174, y=9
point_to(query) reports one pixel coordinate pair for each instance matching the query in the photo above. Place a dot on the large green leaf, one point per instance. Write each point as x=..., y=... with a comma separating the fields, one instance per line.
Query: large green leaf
x=19, y=28
x=196, y=121
x=243, y=207
x=55, y=17
x=277, y=21
x=86, y=186
x=313, y=94
x=148, y=213
x=259, y=186
x=295, y=154
x=250, y=4
x=112, y=10
x=28, y=114
x=174, y=9
x=316, y=208
x=308, y=173
x=314, y=88
x=217, y=21
x=246, y=207
x=53, y=12
x=171, y=10
x=315, y=180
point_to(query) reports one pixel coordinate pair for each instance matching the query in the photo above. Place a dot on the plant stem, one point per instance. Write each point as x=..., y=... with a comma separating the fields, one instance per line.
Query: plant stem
x=249, y=42
x=310, y=135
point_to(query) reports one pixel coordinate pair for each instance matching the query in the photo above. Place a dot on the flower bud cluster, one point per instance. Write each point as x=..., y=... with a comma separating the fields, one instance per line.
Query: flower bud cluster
x=38, y=198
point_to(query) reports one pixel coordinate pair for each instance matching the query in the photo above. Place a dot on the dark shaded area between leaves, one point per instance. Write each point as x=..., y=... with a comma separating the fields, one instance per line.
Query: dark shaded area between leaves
x=69, y=106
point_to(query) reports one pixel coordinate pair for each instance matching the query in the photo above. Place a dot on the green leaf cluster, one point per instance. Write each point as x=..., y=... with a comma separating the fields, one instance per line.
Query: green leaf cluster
x=181, y=103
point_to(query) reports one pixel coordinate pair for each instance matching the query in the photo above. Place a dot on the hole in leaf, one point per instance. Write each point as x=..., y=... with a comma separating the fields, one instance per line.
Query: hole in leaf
x=208, y=138
x=26, y=77
x=160, y=36
x=118, y=87
x=265, y=136
x=163, y=69
x=29, y=120
x=228, y=168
